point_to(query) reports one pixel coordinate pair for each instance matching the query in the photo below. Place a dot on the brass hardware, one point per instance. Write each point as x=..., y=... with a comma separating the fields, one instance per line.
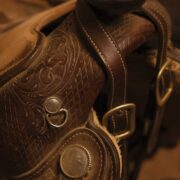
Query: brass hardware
x=56, y=116
x=131, y=108
x=75, y=161
x=52, y=104
x=56, y=120
x=161, y=100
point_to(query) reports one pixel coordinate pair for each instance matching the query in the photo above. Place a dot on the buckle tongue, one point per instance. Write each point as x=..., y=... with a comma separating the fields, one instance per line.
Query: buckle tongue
x=131, y=110
x=162, y=99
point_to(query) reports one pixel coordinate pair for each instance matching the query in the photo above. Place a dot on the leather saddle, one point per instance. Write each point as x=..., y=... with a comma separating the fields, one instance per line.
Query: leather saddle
x=74, y=82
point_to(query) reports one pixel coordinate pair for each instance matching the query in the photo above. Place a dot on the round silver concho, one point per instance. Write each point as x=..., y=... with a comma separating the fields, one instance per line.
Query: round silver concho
x=56, y=116
x=75, y=161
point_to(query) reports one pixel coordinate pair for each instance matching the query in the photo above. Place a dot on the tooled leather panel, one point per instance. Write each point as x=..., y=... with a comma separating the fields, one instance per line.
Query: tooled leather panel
x=65, y=69
x=25, y=41
x=80, y=137
x=103, y=157
x=130, y=31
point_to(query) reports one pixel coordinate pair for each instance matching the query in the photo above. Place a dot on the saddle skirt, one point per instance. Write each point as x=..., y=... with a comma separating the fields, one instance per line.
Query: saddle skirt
x=52, y=83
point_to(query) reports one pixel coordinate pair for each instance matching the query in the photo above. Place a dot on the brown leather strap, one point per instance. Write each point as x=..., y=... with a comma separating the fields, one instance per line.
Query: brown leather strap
x=114, y=64
x=158, y=15
x=108, y=52
x=112, y=59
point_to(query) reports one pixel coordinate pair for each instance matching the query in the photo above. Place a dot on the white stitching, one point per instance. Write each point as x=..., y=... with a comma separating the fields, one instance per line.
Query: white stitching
x=57, y=153
x=100, y=53
x=117, y=49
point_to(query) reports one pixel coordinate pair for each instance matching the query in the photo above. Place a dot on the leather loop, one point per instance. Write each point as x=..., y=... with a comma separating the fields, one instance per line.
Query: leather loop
x=159, y=17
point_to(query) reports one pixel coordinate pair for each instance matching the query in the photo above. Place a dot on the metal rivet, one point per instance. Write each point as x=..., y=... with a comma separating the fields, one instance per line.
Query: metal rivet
x=52, y=105
x=75, y=161
x=56, y=116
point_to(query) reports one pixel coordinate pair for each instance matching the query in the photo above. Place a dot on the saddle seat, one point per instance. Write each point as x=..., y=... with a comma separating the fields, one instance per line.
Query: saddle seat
x=20, y=44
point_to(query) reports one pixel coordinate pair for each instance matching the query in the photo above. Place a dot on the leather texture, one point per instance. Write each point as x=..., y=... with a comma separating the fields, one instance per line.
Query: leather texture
x=51, y=74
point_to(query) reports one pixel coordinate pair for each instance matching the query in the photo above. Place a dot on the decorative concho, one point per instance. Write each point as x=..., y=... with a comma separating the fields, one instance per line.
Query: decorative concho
x=75, y=161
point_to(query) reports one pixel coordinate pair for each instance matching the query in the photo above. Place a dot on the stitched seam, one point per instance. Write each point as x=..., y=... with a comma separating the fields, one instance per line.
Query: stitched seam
x=117, y=49
x=112, y=139
x=57, y=153
x=124, y=67
x=100, y=53
x=111, y=166
x=112, y=169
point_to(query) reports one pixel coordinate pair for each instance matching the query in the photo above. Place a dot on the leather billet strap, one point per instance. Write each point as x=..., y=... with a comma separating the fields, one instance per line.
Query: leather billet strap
x=114, y=64
x=108, y=52
x=158, y=15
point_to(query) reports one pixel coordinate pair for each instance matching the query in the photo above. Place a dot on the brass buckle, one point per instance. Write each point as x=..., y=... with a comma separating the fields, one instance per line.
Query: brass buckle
x=161, y=100
x=131, y=108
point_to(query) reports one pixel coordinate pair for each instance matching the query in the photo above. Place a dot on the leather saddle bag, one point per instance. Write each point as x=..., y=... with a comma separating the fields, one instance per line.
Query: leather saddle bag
x=74, y=82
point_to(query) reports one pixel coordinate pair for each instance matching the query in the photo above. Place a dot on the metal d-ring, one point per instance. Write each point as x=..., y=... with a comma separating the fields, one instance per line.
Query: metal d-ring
x=56, y=125
x=161, y=100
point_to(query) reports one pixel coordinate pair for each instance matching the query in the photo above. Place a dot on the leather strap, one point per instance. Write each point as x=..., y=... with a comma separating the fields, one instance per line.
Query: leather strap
x=107, y=50
x=109, y=55
x=112, y=59
x=157, y=14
